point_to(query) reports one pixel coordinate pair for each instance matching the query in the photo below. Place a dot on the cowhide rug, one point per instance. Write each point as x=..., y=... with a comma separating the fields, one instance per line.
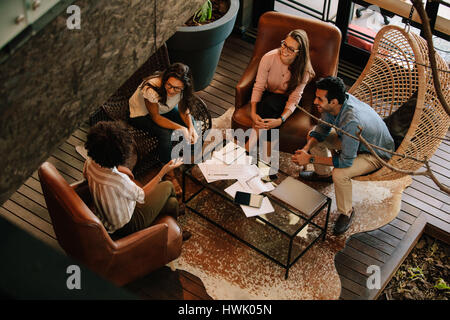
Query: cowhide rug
x=231, y=270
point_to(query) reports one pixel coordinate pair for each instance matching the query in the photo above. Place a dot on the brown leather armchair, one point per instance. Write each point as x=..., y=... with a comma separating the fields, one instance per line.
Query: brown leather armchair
x=81, y=234
x=324, y=39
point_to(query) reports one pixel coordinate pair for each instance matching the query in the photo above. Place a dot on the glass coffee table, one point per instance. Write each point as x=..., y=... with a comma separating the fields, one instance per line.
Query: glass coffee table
x=282, y=236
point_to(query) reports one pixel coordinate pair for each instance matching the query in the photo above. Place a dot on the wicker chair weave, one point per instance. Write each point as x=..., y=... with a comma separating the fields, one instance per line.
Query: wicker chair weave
x=398, y=67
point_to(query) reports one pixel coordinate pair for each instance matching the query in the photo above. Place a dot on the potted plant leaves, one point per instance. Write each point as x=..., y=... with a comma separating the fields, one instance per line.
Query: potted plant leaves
x=199, y=45
x=204, y=13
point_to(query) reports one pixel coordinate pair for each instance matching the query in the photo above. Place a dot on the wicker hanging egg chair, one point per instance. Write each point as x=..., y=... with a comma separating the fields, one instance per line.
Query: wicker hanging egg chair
x=397, y=68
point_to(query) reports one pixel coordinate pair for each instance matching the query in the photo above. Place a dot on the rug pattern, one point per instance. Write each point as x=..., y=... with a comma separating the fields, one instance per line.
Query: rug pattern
x=231, y=270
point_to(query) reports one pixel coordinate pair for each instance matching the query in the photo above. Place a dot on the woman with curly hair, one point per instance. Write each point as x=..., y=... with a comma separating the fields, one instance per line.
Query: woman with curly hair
x=282, y=76
x=123, y=206
x=161, y=105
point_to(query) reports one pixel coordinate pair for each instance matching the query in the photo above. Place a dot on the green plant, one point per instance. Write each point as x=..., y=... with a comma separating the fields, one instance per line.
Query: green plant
x=416, y=273
x=441, y=285
x=204, y=13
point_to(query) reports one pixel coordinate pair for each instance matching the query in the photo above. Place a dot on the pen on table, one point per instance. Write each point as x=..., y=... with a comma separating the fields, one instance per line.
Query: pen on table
x=235, y=148
x=220, y=174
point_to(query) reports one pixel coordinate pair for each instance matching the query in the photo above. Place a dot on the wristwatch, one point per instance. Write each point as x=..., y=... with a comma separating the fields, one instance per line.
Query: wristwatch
x=312, y=159
x=282, y=119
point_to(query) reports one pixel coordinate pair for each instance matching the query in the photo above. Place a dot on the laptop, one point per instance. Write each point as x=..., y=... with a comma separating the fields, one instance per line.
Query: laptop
x=299, y=195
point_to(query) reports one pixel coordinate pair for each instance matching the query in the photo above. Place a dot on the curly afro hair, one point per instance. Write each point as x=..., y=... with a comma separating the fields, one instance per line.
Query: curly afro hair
x=109, y=143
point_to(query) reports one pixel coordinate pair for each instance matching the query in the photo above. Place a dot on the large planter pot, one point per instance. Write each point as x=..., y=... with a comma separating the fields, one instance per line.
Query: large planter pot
x=200, y=47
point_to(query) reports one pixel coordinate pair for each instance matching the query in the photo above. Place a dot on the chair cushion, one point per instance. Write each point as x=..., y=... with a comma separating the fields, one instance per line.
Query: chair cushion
x=399, y=121
x=356, y=41
x=242, y=117
x=174, y=237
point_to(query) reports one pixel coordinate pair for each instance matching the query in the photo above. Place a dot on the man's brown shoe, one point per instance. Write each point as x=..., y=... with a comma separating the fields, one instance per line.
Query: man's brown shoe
x=312, y=176
x=343, y=222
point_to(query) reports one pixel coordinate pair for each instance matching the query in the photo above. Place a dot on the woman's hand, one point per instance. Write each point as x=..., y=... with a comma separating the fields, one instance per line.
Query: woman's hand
x=258, y=122
x=193, y=136
x=169, y=166
x=185, y=132
x=273, y=123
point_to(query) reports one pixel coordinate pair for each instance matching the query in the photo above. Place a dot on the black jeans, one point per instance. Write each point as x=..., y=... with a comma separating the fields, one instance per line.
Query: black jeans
x=164, y=135
x=271, y=106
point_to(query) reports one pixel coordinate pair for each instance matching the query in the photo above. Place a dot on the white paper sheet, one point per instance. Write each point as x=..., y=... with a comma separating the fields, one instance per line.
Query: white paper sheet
x=266, y=206
x=230, y=153
x=228, y=172
x=258, y=186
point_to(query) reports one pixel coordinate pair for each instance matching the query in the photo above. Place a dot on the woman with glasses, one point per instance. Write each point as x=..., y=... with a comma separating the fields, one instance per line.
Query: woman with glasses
x=160, y=105
x=282, y=76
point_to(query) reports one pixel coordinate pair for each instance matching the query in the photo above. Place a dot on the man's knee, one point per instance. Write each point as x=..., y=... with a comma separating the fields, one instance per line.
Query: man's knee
x=340, y=175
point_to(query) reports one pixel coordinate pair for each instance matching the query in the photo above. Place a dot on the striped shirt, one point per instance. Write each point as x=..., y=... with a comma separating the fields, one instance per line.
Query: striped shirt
x=114, y=193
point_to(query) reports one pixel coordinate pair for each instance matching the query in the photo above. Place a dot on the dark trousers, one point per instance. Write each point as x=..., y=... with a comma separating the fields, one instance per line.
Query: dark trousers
x=271, y=106
x=164, y=135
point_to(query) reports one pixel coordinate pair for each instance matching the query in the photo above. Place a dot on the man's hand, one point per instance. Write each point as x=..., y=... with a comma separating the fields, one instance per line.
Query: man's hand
x=301, y=157
x=304, y=150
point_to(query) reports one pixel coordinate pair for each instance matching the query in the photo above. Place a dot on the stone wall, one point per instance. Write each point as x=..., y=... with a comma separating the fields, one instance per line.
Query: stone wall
x=56, y=79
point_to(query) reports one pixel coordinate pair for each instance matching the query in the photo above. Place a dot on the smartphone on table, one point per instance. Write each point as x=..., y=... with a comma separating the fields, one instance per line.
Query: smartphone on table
x=248, y=199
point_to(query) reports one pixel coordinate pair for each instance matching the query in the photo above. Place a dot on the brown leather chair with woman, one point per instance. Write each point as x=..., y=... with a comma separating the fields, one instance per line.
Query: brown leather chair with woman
x=289, y=55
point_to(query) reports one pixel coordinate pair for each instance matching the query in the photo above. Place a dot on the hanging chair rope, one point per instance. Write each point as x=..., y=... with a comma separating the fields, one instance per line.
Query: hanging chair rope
x=408, y=22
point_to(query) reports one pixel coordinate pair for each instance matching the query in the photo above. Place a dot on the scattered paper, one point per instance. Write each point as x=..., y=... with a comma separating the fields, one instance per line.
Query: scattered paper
x=266, y=207
x=230, y=153
x=258, y=186
x=214, y=171
x=231, y=163
x=248, y=187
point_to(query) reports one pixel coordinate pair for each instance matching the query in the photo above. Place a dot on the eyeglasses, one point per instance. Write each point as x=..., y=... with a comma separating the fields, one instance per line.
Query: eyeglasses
x=289, y=49
x=176, y=89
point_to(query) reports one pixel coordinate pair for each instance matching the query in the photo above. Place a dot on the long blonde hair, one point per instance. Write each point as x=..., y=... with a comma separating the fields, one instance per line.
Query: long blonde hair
x=302, y=63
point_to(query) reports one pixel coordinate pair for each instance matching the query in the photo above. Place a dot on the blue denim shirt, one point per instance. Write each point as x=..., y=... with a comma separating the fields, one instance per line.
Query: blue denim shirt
x=355, y=113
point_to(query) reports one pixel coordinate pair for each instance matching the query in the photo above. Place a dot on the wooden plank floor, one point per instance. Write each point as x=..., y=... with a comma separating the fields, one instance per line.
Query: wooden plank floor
x=385, y=247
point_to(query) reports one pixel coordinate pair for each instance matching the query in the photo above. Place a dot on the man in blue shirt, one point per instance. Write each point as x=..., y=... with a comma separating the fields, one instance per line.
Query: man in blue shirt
x=350, y=157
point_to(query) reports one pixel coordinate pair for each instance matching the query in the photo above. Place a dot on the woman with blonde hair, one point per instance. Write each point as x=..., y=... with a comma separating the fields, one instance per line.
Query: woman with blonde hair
x=282, y=76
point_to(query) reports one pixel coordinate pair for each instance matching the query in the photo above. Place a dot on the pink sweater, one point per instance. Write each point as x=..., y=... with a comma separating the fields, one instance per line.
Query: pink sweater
x=273, y=75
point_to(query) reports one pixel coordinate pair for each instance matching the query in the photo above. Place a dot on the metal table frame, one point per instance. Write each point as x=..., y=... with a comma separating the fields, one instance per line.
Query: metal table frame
x=289, y=263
